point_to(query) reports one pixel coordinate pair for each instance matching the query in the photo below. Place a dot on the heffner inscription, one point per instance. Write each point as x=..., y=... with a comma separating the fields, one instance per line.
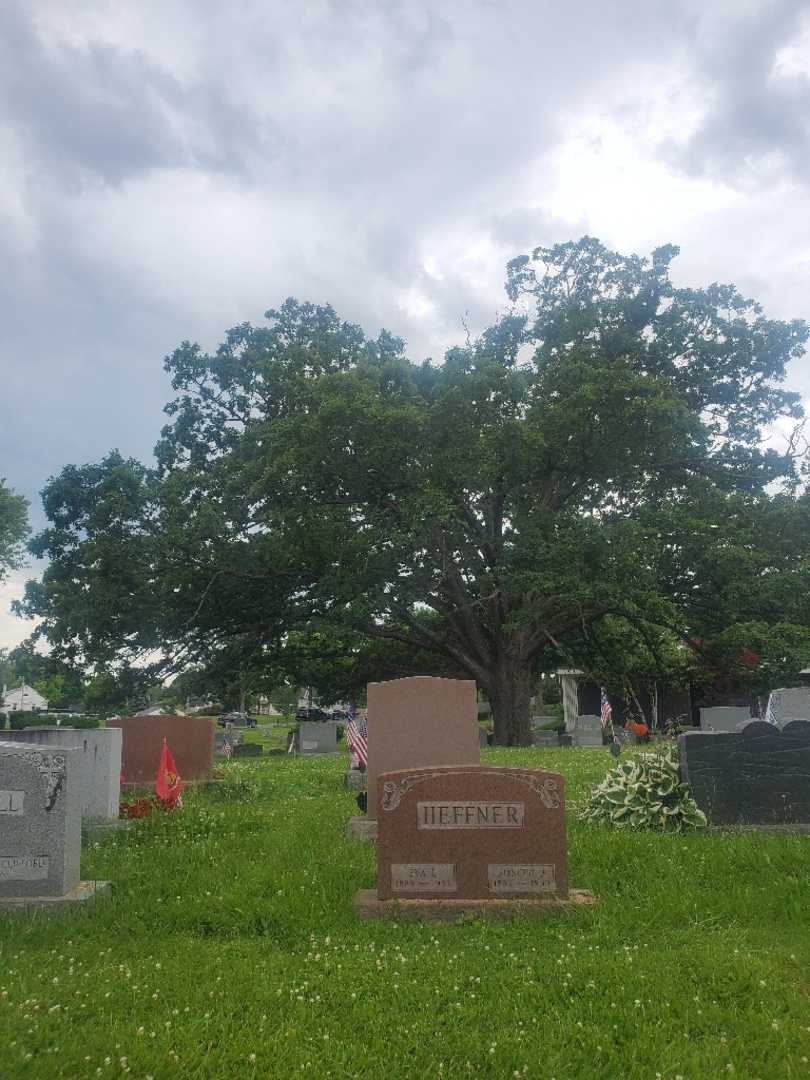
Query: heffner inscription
x=23, y=867
x=522, y=877
x=469, y=815
x=11, y=802
x=423, y=877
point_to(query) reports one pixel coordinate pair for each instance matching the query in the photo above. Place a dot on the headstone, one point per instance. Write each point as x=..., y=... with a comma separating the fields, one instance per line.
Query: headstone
x=461, y=834
x=317, y=737
x=723, y=717
x=420, y=721
x=98, y=764
x=190, y=739
x=588, y=731
x=247, y=750
x=483, y=738
x=545, y=738
x=356, y=779
x=40, y=828
x=758, y=775
x=791, y=702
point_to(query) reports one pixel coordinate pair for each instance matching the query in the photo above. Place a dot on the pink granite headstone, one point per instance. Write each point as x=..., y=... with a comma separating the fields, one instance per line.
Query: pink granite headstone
x=420, y=721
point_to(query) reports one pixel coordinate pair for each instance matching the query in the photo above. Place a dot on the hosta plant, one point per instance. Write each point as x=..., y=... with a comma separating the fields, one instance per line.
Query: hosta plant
x=645, y=793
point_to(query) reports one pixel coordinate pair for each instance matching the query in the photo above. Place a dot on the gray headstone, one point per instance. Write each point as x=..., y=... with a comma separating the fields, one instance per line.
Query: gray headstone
x=792, y=701
x=724, y=717
x=99, y=764
x=317, y=738
x=546, y=738
x=247, y=750
x=483, y=742
x=759, y=775
x=40, y=820
x=588, y=731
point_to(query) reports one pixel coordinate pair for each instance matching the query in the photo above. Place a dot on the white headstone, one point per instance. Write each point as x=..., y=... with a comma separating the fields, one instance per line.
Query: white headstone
x=99, y=764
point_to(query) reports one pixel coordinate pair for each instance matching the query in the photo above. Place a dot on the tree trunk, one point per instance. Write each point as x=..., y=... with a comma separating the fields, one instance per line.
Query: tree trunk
x=509, y=694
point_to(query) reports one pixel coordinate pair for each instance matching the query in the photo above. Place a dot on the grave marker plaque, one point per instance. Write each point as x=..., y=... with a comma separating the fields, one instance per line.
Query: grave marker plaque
x=471, y=833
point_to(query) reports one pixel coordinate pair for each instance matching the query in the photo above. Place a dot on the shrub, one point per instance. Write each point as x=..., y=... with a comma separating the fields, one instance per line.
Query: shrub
x=645, y=793
x=21, y=720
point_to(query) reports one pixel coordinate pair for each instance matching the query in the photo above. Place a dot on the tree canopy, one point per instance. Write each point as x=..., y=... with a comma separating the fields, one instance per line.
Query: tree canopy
x=597, y=454
x=13, y=529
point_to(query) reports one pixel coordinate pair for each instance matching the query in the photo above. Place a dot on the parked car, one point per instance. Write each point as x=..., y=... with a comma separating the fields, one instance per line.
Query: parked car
x=241, y=719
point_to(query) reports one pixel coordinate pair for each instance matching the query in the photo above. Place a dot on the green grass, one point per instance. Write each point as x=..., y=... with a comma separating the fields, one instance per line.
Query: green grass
x=229, y=949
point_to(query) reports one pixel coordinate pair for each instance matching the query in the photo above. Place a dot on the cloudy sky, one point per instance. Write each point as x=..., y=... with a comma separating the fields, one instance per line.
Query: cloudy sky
x=169, y=168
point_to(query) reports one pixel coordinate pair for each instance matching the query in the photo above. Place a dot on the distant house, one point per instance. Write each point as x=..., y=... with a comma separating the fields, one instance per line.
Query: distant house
x=22, y=698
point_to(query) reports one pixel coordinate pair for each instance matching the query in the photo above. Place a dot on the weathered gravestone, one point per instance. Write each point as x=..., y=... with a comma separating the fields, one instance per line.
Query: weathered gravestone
x=588, y=731
x=190, y=739
x=791, y=702
x=458, y=838
x=98, y=764
x=483, y=738
x=723, y=717
x=758, y=775
x=40, y=828
x=545, y=738
x=317, y=737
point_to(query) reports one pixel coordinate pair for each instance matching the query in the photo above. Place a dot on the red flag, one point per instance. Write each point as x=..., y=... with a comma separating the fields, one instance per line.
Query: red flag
x=168, y=786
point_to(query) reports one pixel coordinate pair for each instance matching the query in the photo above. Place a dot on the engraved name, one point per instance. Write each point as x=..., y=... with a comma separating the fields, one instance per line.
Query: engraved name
x=11, y=802
x=522, y=877
x=23, y=867
x=469, y=815
x=423, y=877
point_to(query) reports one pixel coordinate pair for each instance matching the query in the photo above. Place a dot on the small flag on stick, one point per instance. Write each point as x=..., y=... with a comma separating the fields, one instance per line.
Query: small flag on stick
x=357, y=738
x=169, y=786
x=607, y=710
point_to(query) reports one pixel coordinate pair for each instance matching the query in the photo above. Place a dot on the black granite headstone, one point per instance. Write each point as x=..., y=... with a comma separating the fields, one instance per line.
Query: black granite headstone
x=758, y=775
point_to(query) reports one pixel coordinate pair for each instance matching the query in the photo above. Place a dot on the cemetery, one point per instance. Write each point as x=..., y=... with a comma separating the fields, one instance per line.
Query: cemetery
x=492, y=928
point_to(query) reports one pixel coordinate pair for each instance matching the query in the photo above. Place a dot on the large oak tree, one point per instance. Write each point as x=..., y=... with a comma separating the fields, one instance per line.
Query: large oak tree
x=596, y=454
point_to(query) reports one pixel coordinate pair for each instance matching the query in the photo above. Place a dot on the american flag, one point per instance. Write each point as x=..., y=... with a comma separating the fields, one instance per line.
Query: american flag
x=227, y=749
x=357, y=738
x=607, y=711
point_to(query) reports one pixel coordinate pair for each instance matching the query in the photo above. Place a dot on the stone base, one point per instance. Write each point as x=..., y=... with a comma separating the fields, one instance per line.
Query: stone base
x=356, y=780
x=361, y=828
x=84, y=893
x=97, y=830
x=367, y=906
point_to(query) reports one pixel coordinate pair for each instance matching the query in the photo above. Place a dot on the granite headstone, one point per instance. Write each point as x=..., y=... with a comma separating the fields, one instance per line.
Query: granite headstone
x=474, y=832
x=588, y=731
x=40, y=820
x=723, y=717
x=420, y=721
x=317, y=737
x=190, y=739
x=98, y=764
x=758, y=775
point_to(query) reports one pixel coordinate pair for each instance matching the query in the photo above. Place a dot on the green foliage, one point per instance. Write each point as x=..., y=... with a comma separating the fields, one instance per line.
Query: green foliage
x=645, y=792
x=238, y=784
x=20, y=720
x=13, y=529
x=317, y=493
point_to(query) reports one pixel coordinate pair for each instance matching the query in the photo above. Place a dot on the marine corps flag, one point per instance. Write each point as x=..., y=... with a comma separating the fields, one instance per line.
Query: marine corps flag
x=169, y=786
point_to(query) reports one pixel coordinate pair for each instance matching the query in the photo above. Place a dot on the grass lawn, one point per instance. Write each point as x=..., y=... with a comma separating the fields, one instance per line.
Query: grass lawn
x=229, y=949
